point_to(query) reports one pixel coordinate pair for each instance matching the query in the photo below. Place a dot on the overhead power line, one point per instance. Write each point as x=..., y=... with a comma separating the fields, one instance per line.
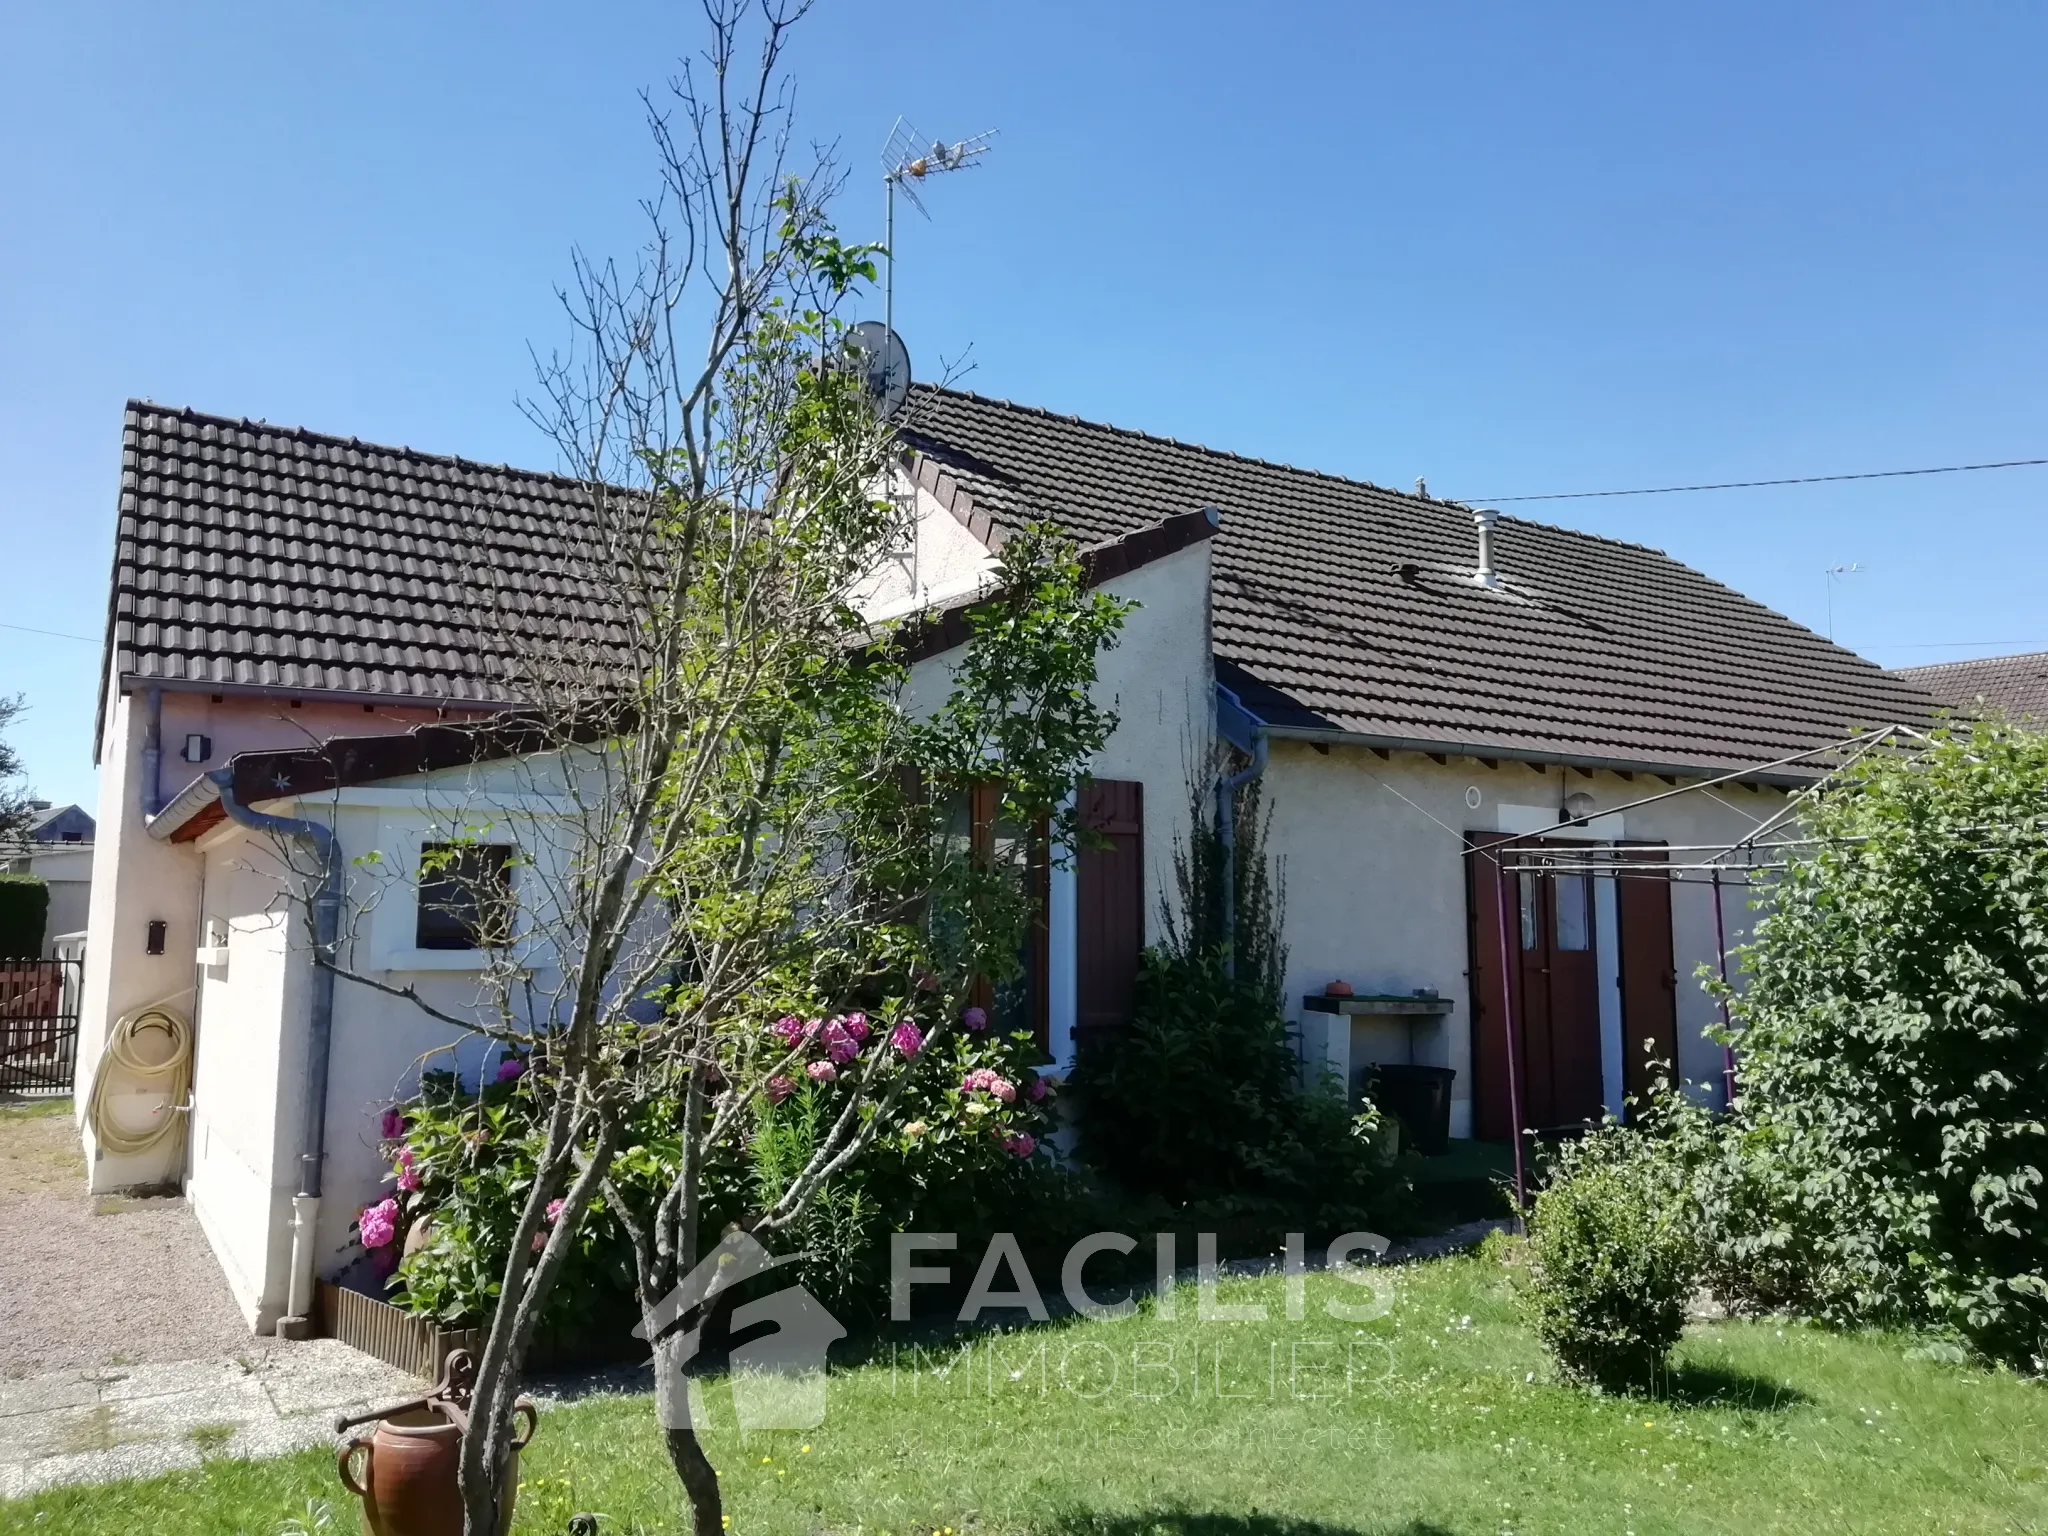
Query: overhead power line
x=1747, y=485
x=54, y=634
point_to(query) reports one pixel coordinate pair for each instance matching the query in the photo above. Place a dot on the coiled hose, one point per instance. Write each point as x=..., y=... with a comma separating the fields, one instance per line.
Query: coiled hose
x=174, y=1071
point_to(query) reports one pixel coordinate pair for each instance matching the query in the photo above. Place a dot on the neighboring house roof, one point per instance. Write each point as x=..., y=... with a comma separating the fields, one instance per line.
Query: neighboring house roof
x=60, y=824
x=2014, y=685
x=1347, y=609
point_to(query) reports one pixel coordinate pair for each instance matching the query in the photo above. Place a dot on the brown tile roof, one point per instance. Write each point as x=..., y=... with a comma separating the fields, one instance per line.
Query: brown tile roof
x=253, y=556
x=1341, y=606
x=2014, y=685
x=257, y=557
x=271, y=557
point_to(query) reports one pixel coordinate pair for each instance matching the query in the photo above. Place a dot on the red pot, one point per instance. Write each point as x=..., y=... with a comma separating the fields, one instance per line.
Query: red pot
x=408, y=1482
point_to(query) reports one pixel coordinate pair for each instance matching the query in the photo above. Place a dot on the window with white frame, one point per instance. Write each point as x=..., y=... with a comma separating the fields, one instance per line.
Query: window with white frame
x=465, y=897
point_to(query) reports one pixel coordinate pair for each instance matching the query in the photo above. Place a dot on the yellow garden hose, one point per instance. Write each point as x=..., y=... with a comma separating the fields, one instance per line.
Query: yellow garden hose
x=174, y=1071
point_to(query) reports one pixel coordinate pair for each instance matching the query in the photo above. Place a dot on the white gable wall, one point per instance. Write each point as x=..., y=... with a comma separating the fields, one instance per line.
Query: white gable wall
x=1158, y=681
x=943, y=561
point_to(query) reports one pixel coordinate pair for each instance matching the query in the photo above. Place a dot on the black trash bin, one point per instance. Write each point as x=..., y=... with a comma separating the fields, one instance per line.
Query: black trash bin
x=1420, y=1098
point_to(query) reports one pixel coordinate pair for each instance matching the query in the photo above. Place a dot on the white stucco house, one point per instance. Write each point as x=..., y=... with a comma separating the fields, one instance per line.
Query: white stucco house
x=295, y=619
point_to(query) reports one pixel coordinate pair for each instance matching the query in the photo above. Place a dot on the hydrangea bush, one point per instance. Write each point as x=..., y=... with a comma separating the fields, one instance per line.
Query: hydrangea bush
x=969, y=1137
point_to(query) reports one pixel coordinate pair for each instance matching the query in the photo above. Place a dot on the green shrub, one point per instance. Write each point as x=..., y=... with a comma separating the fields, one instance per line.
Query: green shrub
x=24, y=912
x=1611, y=1261
x=954, y=1159
x=1199, y=1103
x=1886, y=1158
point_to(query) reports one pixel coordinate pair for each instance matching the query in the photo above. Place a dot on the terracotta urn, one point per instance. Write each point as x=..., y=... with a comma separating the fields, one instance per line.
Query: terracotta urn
x=1337, y=989
x=407, y=1481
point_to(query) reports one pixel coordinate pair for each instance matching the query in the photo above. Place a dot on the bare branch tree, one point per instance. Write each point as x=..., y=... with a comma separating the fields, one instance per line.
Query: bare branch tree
x=722, y=806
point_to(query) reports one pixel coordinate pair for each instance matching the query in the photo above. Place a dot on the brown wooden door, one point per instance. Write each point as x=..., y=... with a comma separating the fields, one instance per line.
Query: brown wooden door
x=1554, y=972
x=1490, y=1100
x=1558, y=957
x=1649, y=976
x=1109, y=902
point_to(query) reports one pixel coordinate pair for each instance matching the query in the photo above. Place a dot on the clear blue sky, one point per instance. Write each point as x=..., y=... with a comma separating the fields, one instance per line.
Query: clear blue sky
x=1512, y=248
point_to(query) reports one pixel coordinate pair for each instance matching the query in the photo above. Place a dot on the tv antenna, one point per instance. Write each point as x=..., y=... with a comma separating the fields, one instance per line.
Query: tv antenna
x=1833, y=574
x=907, y=159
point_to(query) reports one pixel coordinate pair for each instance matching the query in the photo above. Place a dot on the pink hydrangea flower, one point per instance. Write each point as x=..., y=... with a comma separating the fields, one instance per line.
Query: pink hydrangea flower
x=839, y=1042
x=986, y=1080
x=394, y=1124
x=383, y=1261
x=511, y=1069
x=378, y=1224
x=821, y=1071
x=540, y=1241
x=974, y=1019
x=907, y=1038
x=408, y=1173
x=1037, y=1090
x=788, y=1029
x=858, y=1027
x=555, y=1211
x=1023, y=1144
x=780, y=1088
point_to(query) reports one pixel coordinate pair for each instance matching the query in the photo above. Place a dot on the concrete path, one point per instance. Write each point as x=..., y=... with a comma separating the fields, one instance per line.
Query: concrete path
x=106, y=1422
x=122, y=1353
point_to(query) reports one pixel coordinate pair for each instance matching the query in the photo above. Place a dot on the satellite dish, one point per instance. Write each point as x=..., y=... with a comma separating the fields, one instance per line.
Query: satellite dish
x=885, y=361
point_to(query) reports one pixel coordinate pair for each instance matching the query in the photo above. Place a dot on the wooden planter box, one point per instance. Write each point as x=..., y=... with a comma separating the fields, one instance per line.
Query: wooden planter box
x=383, y=1332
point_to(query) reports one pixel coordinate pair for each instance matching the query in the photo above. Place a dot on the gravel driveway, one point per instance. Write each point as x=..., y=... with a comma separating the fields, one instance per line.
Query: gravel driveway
x=121, y=1353
x=106, y=1282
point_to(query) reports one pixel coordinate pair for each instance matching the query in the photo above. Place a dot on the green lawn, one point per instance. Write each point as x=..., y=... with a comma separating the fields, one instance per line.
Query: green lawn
x=1444, y=1422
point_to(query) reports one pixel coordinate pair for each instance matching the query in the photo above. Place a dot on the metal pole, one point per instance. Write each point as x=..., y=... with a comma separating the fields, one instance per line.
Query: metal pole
x=1507, y=1024
x=1727, y=1024
x=889, y=282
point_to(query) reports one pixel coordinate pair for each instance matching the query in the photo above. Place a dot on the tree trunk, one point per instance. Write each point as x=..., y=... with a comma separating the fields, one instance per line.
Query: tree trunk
x=675, y=1410
x=482, y=1482
x=700, y=1482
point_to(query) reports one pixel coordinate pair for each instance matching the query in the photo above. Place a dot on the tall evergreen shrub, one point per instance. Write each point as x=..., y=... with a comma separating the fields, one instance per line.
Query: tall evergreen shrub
x=24, y=914
x=1200, y=1103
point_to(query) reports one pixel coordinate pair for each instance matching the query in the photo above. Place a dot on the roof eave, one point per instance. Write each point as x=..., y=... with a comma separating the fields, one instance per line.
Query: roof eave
x=185, y=806
x=1592, y=761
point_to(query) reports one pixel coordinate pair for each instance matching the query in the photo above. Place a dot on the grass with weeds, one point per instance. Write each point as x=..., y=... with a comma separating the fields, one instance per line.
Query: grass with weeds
x=1439, y=1418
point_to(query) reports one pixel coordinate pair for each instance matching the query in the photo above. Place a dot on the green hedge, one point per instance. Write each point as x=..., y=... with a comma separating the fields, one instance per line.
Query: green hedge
x=24, y=913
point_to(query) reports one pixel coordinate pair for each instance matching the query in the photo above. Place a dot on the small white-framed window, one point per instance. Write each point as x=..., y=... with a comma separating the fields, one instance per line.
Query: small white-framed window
x=465, y=897
x=442, y=896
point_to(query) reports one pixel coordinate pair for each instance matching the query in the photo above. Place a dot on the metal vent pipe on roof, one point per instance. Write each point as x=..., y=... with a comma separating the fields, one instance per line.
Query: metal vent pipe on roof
x=1483, y=519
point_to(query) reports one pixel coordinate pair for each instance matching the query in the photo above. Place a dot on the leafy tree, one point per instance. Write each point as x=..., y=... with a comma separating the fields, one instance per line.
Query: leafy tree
x=16, y=811
x=1886, y=1156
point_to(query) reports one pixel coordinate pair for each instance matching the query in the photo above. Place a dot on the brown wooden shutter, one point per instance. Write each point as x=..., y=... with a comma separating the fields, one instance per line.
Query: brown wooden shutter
x=1491, y=1104
x=1649, y=976
x=1109, y=902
